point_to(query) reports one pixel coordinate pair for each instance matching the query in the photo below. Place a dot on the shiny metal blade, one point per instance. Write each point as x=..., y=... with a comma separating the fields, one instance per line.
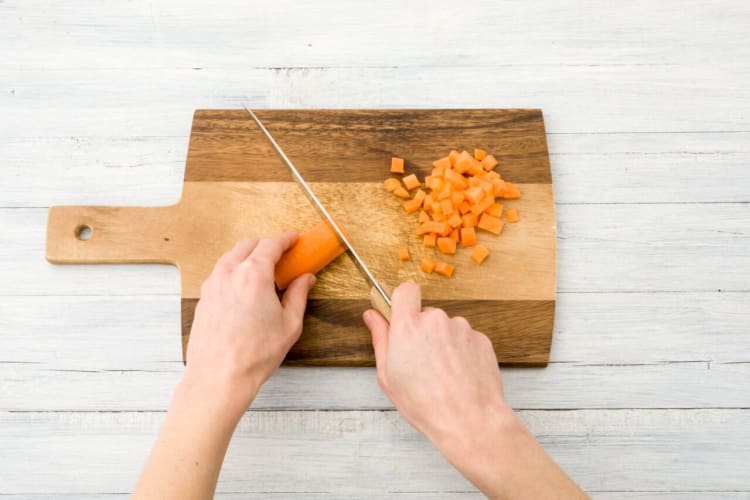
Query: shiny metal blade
x=321, y=208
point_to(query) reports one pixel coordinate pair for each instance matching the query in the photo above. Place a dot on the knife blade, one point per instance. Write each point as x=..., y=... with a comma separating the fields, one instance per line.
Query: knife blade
x=378, y=296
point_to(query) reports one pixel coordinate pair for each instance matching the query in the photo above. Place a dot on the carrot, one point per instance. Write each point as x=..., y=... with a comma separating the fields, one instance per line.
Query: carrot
x=479, y=254
x=397, y=165
x=489, y=162
x=444, y=268
x=445, y=193
x=474, y=194
x=479, y=154
x=430, y=240
x=447, y=207
x=442, y=163
x=313, y=251
x=490, y=223
x=463, y=162
x=454, y=235
x=456, y=179
x=401, y=192
x=441, y=228
x=453, y=156
x=403, y=254
x=446, y=245
x=454, y=220
x=391, y=184
x=428, y=201
x=435, y=183
x=427, y=265
x=483, y=205
x=495, y=210
x=411, y=182
x=510, y=191
x=469, y=220
x=468, y=237
x=512, y=215
x=423, y=217
x=464, y=207
x=457, y=197
x=411, y=206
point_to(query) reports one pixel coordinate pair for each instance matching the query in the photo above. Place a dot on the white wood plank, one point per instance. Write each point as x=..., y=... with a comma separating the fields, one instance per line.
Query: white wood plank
x=374, y=453
x=587, y=168
x=31, y=387
x=143, y=332
x=160, y=102
x=601, y=248
x=172, y=33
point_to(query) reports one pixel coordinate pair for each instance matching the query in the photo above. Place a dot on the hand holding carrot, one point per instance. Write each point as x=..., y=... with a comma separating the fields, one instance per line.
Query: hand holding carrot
x=241, y=331
x=442, y=376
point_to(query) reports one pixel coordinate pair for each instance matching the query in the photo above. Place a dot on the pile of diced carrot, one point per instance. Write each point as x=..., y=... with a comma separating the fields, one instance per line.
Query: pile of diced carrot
x=459, y=197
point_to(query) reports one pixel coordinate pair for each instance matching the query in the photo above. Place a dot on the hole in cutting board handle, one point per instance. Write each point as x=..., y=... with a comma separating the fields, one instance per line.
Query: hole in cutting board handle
x=83, y=232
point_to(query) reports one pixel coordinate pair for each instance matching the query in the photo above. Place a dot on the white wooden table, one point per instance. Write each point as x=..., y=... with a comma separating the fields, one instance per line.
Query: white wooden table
x=647, y=106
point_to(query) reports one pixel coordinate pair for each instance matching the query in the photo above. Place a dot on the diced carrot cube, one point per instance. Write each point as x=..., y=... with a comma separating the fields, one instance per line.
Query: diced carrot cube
x=479, y=254
x=489, y=162
x=411, y=182
x=495, y=210
x=403, y=253
x=469, y=220
x=464, y=161
x=464, y=207
x=490, y=223
x=453, y=156
x=445, y=193
x=441, y=228
x=429, y=240
x=423, y=217
x=427, y=265
x=444, y=268
x=479, y=154
x=455, y=235
x=446, y=206
x=397, y=165
x=512, y=215
x=446, y=245
x=391, y=184
x=457, y=197
x=468, y=237
x=436, y=183
x=401, y=192
x=483, y=205
x=442, y=163
x=474, y=194
x=454, y=220
x=456, y=179
x=510, y=191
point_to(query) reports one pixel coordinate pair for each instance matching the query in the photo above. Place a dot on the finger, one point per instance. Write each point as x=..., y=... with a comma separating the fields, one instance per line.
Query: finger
x=295, y=299
x=406, y=299
x=269, y=250
x=378, y=326
x=238, y=253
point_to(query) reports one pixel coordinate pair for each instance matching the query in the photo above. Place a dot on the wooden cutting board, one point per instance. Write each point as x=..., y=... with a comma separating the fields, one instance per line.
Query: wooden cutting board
x=235, y=186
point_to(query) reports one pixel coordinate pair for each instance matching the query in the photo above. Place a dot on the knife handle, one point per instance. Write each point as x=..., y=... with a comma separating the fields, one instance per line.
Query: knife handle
x=379, y=304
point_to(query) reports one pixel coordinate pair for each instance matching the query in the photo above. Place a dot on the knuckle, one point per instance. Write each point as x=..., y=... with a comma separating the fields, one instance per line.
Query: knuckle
x=461, y=322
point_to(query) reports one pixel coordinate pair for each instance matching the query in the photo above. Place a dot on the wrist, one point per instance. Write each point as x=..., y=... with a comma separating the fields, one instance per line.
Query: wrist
x=227, y=398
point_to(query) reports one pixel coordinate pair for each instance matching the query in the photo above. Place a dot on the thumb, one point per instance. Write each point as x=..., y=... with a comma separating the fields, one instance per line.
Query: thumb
x=295, y=298
x=379, y=328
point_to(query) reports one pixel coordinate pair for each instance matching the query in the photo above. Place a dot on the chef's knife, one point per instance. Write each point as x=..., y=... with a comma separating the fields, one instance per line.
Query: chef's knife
x=378, y=296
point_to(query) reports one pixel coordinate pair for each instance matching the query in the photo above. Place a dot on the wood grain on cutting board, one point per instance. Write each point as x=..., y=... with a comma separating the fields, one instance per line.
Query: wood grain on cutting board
x=236, y=187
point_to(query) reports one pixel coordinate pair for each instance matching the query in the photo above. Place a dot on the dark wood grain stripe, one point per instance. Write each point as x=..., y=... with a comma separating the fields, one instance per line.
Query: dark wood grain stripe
x=521, y=331
x=357, y=145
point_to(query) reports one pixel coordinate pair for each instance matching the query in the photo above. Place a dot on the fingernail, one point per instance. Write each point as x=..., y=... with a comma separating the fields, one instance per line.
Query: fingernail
x=312, y=280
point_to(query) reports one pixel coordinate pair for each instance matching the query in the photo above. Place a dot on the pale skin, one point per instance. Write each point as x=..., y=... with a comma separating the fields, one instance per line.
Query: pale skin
x=441, y=375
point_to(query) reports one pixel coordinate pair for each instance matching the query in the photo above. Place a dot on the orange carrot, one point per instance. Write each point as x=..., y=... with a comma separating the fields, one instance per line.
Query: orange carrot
x=411, y=182
x=474, y=194
x=446, y=245
x=463, y=162
x=483, y=205
x=479, y=154
x=442, y=163
x=397, y=165
x=423, y=217
x=490, y=223
x=457, y=197
x=456, y=179
x=512, y=215
x=454, y=220
x=464, y=207
x=430, y=240
x=444, y=268
x=411, y=206
x=403, y=253
x=427, y=265
x=469, y=220
x=401, y=192
x=445, y=193
x=453, y=156
x=489, y=162
x=510, y=191
x=454, y=235
x=479, y=254
x=495, y=210
x=441, y=228
x=468, y=237
x=446, y=207
x=391, y=184
x=313, y=251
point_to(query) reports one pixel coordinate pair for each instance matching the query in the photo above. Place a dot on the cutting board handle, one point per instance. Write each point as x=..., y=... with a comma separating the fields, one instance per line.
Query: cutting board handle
x=104, y=235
